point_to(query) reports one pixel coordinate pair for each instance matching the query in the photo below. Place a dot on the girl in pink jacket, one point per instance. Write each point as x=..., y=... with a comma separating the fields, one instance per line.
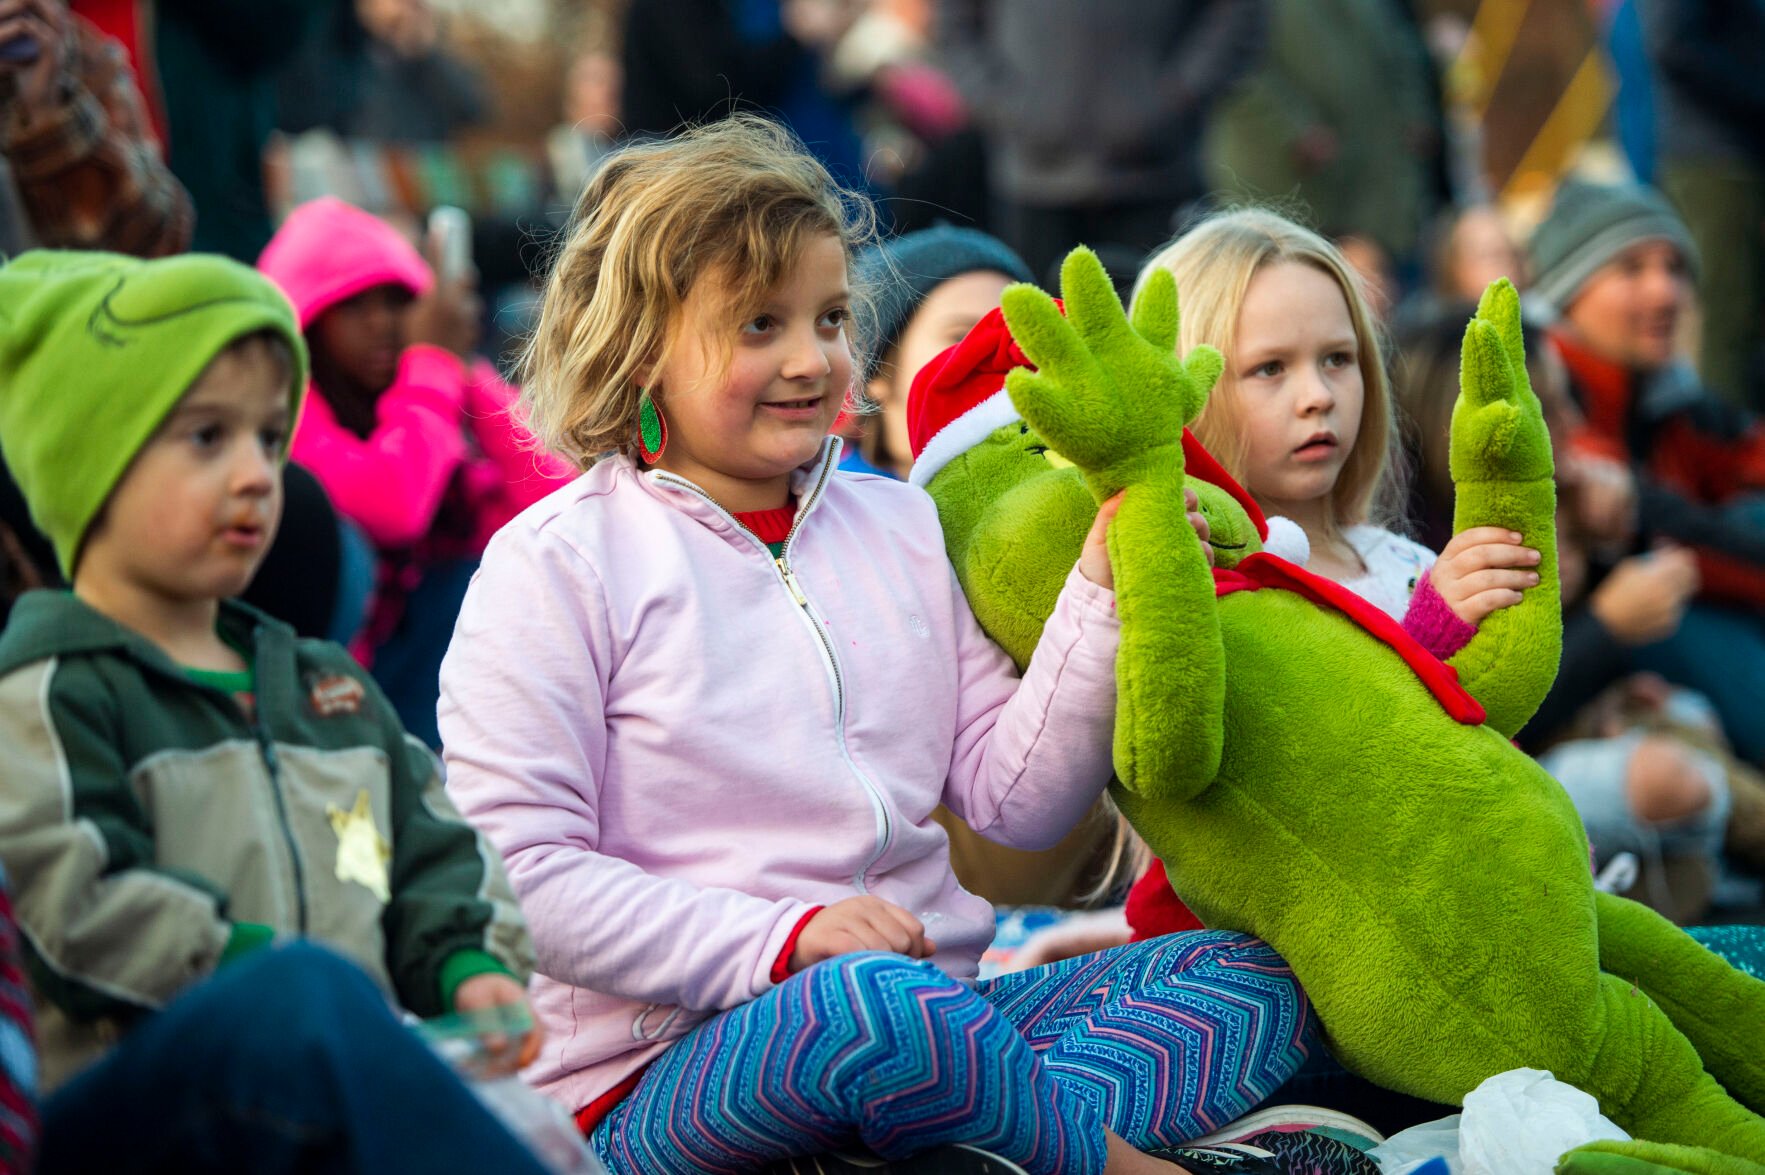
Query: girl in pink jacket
x=705, y=699
x=412, y=436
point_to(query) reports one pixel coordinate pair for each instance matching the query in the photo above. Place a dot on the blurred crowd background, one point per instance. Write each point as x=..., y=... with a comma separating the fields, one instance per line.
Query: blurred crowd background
x=1425, y=135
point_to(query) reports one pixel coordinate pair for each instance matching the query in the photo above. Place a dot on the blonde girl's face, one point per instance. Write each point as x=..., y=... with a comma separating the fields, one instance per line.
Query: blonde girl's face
x=1297, y=379
x=738, y=433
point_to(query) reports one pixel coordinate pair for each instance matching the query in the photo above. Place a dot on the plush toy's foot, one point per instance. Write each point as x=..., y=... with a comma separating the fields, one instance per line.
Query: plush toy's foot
x=1651, y=1158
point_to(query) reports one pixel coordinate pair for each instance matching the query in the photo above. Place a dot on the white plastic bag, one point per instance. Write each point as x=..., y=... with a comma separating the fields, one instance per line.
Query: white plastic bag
x=1409, y=1151
x=540, y=1123
x=1522, y=1121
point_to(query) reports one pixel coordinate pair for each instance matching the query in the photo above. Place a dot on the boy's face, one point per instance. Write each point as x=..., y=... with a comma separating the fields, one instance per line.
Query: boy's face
x=196, y=511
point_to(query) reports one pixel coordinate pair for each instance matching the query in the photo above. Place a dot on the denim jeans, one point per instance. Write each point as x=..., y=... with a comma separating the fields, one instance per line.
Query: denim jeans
x=286, y=1061
x=1720, y=652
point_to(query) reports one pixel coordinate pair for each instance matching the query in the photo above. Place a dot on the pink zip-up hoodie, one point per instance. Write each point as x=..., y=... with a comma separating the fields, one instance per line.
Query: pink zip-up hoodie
x=440, y=418
x=681, y=746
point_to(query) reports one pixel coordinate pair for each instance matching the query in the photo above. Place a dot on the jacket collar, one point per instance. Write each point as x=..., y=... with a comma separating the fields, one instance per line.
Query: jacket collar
x=809, y=482
x=56, y=623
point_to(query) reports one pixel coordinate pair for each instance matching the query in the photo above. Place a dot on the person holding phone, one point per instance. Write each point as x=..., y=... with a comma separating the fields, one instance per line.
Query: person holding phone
x=413, y=436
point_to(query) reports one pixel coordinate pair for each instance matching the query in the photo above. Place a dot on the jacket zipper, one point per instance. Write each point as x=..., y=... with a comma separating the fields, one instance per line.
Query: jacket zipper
x=885, y=826
x=266, y=749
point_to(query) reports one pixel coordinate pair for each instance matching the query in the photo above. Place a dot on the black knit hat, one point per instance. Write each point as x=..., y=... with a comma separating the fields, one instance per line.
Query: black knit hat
x=1589, y=224
x=898, y=275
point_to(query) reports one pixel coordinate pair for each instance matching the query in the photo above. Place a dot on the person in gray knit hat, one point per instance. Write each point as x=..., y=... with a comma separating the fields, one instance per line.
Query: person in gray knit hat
x=1617, y=265
x=1591, y=225
x=927, y=289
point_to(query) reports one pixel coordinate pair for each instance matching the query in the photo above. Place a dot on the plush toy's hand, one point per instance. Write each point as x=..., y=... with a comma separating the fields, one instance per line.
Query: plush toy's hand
x=1108, y=392
x=1498, y=431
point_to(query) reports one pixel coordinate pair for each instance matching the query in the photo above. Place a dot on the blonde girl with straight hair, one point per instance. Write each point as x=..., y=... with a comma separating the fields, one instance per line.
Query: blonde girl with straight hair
x=706, y=698
x=1303, y=417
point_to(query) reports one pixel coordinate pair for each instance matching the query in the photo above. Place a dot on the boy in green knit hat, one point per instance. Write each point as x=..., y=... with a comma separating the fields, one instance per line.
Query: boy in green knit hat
x=188, y=784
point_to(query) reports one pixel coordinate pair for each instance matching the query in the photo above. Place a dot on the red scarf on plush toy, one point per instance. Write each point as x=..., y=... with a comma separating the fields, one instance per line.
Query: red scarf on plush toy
x=1263, y=570
x=1153, y=908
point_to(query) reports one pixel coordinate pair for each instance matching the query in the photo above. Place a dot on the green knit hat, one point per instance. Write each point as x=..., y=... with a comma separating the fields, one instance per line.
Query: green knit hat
x=96, y=349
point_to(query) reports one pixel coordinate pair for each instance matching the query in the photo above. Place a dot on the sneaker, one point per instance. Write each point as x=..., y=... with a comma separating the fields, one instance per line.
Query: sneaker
x=1316, y=1119
x=1235, y=1157
x=1274, y=1152
x=1314, y=1152
x=955, y=1159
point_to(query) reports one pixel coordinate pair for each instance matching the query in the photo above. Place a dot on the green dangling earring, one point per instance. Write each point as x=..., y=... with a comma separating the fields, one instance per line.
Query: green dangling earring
x=652, y=428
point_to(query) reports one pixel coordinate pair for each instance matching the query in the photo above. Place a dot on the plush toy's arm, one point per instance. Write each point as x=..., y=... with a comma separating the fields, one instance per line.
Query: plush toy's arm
x=1502, y=470
x=1112, y=398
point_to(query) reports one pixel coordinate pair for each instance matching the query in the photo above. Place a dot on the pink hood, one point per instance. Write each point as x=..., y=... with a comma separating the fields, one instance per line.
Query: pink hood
x=327, y=251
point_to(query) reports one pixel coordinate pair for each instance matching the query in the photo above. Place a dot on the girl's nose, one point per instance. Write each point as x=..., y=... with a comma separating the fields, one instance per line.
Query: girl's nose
x=1315, y=394
x=808, y=358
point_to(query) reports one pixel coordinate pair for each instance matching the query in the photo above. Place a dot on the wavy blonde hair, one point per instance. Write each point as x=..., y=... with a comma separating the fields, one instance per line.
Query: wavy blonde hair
x=733, y=202
x=1214, y=263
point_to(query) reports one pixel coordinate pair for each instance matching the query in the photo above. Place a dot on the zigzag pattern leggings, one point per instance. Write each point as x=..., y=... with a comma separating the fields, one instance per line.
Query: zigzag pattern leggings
x=1160, y=1041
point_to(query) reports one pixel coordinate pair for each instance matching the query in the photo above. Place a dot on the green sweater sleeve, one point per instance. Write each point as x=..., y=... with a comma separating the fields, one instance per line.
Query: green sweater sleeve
x=463, y=965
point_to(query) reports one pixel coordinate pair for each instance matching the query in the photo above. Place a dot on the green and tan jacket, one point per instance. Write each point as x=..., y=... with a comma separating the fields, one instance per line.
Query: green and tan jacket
x=149, y=823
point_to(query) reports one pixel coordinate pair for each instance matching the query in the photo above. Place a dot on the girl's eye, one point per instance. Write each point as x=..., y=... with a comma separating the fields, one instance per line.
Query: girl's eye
x=1267, y=370
x=206, y=437
x=836, y=318
x=757, y=325
x=272, y=439
x=1338, y=359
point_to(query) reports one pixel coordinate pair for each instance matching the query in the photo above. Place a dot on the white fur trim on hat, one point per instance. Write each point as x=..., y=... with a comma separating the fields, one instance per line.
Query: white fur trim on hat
x=961, y=435
x=1287, y=540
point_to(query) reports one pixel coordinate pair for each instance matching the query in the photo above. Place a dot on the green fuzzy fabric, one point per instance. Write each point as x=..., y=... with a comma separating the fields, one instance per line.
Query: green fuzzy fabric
x=1427, y=882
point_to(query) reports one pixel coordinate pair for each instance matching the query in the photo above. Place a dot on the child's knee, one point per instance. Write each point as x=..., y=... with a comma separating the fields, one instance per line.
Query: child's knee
x=872, y=974
x=1665, y=782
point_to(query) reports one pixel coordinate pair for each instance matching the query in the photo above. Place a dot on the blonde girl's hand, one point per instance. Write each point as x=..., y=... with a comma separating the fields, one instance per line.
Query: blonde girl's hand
x=1094, y=557
x=1198, y=520
x=1483, y=570
x=495, y=990
x=862, y=923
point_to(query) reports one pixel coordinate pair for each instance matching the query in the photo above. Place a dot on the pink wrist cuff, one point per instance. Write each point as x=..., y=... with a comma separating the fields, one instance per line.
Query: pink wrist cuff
x=1431, y=620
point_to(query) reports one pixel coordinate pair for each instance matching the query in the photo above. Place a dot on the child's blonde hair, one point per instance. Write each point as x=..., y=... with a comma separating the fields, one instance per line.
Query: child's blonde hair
x=735, y=201
x=1214, y=263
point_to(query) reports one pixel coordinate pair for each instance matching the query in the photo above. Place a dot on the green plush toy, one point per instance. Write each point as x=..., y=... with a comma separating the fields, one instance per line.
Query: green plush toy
x=1310, y=775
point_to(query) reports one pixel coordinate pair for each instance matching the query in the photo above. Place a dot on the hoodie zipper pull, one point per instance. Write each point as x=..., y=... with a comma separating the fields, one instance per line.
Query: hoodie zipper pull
x=790, y=581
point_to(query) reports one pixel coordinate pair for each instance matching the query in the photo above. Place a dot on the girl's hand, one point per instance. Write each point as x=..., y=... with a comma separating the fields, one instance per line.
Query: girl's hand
x=448, y=316
x=1094, y=558
x=860, y=924
x=1198, y=520
x=1483, y=570
x=494, y=990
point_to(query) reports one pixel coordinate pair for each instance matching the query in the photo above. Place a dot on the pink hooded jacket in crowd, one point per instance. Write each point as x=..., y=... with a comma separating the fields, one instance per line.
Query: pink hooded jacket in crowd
x=440, y=418
x=681, y=746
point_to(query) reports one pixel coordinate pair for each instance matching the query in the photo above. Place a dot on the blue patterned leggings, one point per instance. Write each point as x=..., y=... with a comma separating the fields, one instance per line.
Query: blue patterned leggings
x=1160, y=1041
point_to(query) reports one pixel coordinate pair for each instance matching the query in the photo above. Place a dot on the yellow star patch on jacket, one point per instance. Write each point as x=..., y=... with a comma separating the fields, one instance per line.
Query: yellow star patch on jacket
x=362, y=853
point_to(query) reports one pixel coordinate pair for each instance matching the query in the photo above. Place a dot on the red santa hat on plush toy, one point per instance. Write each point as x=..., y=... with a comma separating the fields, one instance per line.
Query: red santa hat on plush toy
x=958, y=400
